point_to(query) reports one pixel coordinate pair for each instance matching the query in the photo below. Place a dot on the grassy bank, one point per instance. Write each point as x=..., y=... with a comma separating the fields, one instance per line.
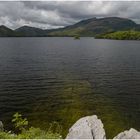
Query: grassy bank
x=121, y=35
x=23, y=131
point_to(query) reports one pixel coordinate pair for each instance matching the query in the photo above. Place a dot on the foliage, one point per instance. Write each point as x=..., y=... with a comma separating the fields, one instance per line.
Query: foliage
x=122, y=35
x=37, y=133
x=76, y=37
x=6, y=135
x=31, y=133
x=19, y=122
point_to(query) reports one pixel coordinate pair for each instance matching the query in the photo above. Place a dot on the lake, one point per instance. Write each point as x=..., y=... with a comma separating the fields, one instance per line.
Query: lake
x=62, y=79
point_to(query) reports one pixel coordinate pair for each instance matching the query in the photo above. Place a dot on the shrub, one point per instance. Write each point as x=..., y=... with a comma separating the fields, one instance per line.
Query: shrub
x=25, y=132
x=19, y=122
x=122, y=35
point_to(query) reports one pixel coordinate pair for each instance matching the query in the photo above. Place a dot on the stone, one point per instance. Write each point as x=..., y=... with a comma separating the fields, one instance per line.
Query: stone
x=1, y=126
x=128, y=134
x=89, y=127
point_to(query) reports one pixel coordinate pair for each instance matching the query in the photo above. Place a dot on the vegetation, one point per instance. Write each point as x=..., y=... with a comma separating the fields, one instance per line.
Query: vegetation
x=77, y=37
x=121, y=35
x=19, y=122
x=95, y=26
x=88, y=27
x=23, y=131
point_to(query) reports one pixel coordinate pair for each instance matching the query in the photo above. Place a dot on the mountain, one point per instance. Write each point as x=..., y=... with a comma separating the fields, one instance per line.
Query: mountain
x=28, y=31
x=88, y=27
x=94, y=26
x=4, y=31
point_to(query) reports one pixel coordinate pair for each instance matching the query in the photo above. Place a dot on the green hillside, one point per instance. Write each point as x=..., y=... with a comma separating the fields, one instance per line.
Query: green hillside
x=95, y=26
x=121, y=35
x=87, y=27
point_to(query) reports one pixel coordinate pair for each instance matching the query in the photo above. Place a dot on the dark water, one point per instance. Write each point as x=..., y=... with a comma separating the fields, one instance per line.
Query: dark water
x=62, y=79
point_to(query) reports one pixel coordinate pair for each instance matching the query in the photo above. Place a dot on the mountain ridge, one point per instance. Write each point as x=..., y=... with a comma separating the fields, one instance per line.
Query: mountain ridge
x=87, y=27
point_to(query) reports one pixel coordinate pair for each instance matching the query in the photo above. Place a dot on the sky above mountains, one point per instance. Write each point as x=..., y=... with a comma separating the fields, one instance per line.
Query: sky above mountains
x=47, y=14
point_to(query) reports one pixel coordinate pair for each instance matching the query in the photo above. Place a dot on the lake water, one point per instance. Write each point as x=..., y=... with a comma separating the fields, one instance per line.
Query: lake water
x=62, y=79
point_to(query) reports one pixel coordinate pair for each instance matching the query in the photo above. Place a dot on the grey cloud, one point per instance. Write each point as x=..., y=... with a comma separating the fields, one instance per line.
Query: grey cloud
x=47, y=14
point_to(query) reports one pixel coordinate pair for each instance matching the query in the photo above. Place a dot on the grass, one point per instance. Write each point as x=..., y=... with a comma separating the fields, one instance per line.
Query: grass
x=23, y=131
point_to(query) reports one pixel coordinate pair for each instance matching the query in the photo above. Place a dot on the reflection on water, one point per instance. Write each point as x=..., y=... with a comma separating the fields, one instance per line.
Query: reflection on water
x=70, y=104
x=61, y=79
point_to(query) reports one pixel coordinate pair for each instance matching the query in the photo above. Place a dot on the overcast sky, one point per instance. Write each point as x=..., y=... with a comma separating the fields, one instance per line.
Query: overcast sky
x=56, y=14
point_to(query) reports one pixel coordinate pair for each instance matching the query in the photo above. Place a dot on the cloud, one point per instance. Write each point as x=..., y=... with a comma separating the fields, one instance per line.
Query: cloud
x=47, y=14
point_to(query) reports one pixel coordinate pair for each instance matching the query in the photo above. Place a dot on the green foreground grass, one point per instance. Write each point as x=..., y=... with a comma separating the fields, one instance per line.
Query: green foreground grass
x=23, y=131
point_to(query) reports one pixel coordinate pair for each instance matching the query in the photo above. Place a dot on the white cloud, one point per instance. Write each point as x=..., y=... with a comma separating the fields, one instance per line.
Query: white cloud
x=61, y=13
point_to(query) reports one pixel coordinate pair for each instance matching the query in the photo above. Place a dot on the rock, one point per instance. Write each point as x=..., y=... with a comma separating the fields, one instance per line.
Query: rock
x=128, y=134
x=1, y=126
x=89, y=127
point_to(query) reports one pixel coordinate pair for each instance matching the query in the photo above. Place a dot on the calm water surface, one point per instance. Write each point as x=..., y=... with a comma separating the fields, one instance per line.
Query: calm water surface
x=62, y=79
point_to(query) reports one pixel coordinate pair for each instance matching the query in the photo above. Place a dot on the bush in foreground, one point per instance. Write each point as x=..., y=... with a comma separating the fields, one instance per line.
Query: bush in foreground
x=25, y=132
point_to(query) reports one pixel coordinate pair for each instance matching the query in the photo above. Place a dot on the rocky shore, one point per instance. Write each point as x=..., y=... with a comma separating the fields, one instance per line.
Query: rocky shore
x=91, y=127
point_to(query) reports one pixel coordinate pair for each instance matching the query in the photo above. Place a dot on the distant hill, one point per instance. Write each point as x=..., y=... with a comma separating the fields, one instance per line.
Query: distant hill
x=30, y=31
x=88, y=27
x=94, y=26
x=4, y=31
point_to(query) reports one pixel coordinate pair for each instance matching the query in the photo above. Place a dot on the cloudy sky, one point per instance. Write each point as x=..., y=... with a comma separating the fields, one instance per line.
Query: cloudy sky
x=47, y=14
